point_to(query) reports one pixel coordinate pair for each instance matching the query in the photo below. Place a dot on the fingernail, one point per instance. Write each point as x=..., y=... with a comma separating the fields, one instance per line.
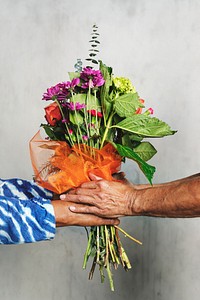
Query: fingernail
x=62, y=197
x=72, y=208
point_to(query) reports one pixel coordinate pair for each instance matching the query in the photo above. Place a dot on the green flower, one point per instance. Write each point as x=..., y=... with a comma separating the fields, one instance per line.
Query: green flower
x=123, y=85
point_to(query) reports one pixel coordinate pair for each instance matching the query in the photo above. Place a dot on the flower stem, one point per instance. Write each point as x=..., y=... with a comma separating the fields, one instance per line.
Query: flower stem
x=76, y=119
x=107, y=130
x=72, y=143
x=128, y=235
x=110, y=277
x=88, y=250
x=98, y=248
x=79, y=129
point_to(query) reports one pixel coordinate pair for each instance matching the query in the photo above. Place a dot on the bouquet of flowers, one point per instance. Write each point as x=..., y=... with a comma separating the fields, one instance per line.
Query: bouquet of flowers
x=94, y=122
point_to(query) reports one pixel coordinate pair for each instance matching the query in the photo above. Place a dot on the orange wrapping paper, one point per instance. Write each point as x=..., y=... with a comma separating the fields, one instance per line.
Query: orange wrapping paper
x=58, y=168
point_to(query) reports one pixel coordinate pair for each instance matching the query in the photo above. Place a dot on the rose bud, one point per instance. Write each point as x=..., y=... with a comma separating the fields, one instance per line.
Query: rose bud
x=53, y=114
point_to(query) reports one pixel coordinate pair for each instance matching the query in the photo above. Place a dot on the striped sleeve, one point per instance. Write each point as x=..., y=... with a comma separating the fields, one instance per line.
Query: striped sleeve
x=26, y=212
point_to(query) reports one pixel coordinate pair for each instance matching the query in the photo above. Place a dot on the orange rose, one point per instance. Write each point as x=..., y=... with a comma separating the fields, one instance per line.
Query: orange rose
x=53, y=113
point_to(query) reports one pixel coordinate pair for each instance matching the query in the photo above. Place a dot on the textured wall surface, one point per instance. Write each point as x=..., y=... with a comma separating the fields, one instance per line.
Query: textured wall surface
x=156, y=44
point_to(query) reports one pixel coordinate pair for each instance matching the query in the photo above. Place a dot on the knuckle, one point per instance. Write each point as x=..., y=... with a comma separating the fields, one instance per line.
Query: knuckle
x=101, y=195
x=78, y=191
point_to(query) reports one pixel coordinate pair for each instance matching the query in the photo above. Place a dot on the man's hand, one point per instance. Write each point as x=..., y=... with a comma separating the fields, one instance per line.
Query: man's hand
x=104, y=198
x=64, y=217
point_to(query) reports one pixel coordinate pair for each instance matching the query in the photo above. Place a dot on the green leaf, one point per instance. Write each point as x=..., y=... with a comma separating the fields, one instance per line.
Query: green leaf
x=135, y=137
x=130, y=140
x=92, y=60
x=145, y=126
x=93, y=103
x=126, y=141
x=53, y=132
x=91, y=100
x=49, y=132
x=81, y=98
x=145, y=150
x=93, y=50
x=75, y=118
x=104, y=90
x=127, y=104
x=147, y=169
x=73, y=75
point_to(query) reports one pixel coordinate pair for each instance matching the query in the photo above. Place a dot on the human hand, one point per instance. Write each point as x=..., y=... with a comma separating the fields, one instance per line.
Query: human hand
x=102, y=198
x=64, y=217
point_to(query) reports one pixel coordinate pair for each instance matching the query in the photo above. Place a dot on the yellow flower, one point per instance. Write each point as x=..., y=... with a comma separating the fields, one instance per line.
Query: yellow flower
x=123, y=85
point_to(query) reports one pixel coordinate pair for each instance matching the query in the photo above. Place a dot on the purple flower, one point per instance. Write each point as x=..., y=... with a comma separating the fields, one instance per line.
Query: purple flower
x=91, y=78
x=71, y=106
x=66, y=85
x=65, y=121
x=75, y=82
x=80, y=106
x=71, y=84
x=51, y=93
x=76, y=106
x=59, y=92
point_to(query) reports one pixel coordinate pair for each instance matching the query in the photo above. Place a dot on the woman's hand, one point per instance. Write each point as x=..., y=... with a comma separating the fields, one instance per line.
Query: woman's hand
x=64, y=217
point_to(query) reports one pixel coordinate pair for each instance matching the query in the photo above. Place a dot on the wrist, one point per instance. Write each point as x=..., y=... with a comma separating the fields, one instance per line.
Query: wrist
x=61, y=213
x=135, y=202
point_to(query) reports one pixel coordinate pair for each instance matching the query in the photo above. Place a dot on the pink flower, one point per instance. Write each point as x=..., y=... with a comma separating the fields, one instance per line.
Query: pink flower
x=70, y=131
x=85, y=137
x=148, y=112
x=91, y=78
x=151, y=110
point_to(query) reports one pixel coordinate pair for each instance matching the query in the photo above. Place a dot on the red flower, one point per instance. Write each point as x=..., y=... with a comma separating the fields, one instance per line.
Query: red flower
x=53, y=114
x=95, y=113
x=139, y=110
x=99, y=114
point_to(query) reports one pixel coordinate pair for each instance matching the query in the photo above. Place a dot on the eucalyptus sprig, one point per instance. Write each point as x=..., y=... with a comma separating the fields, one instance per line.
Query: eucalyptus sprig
x=94, y=43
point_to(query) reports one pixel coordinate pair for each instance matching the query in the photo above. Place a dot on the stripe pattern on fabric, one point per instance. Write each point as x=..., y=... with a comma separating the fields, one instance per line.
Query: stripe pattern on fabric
x=26, y=212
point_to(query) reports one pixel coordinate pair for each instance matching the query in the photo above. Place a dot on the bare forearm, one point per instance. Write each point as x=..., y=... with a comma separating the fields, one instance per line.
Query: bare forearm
x=186, y=179
x=180, y=198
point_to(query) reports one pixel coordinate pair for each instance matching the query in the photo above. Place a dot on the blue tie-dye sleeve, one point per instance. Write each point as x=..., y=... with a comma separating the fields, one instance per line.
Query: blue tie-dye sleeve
x=26, y=212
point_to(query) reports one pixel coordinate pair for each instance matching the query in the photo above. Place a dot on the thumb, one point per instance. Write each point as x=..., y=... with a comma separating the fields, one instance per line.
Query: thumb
x=94, y=177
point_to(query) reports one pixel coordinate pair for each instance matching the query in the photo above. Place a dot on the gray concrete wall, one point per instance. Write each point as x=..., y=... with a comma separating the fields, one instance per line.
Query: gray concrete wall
x=155, y=43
